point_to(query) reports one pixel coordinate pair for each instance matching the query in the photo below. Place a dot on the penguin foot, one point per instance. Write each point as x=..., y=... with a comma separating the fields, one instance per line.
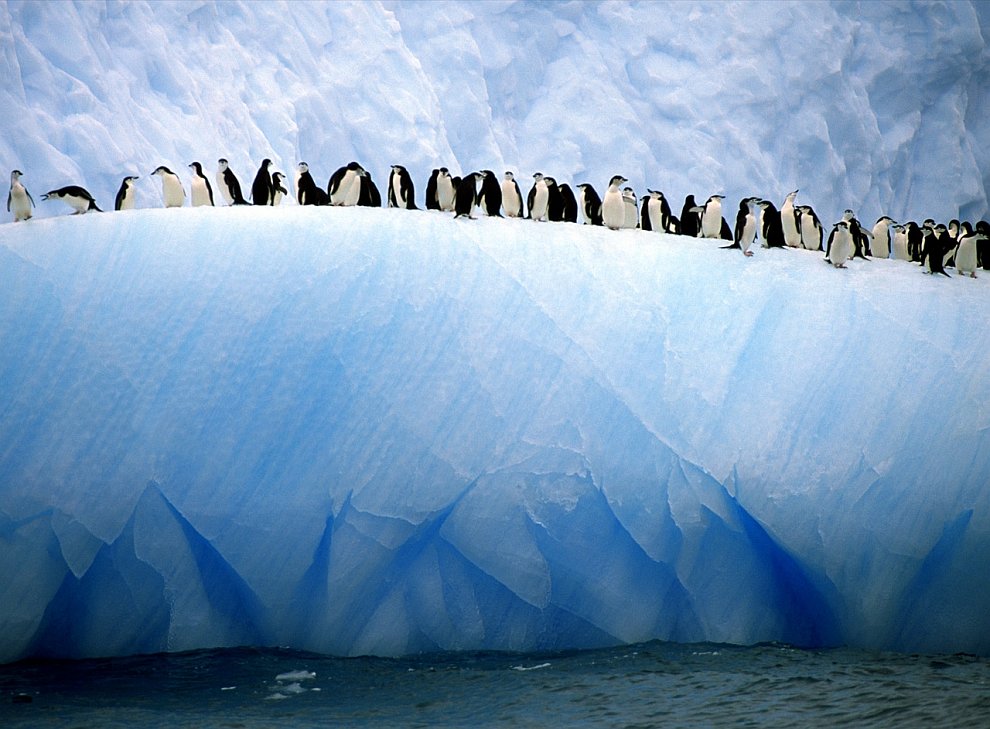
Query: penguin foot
x=748, y=254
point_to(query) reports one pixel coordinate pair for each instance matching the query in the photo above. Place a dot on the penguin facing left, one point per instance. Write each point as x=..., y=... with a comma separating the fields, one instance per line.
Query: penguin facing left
x=466, y=195
x=590, y=204
x=19, y=200
x=78, y=198
x=811, y=228
x=125, y=195
x=490, y=197
x=401, y=191
x=173, y=194
x=228, y=184
x=881, y=237
x=200, y=190
x=261, y=189
x=651, y=211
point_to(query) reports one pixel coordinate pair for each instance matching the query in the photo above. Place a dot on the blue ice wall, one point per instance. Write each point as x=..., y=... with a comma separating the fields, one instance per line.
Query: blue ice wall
x=367, y=431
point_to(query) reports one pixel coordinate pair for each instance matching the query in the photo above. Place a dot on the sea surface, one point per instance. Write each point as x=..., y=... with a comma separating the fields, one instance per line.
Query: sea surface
x=646, y=685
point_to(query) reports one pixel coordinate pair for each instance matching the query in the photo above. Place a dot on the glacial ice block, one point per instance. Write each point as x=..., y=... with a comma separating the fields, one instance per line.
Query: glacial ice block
x=368, y=431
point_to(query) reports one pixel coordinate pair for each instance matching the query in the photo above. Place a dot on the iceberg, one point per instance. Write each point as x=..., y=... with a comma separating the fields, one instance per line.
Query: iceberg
x=360, y=431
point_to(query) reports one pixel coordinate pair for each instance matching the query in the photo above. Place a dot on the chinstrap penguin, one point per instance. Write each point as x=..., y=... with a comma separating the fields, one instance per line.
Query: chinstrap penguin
x=78, y=198
x=173, y=194
x=125, y=195
x=19, y=200
x=199, y=189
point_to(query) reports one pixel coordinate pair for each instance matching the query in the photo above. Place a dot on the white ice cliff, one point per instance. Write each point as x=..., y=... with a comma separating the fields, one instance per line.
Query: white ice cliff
x=370, y=431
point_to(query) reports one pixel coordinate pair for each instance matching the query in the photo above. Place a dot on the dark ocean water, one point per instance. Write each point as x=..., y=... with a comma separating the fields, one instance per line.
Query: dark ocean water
x=646, y=685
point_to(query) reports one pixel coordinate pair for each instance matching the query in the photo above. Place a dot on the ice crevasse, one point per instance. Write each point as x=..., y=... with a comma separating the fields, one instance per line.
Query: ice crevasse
x=365, y=431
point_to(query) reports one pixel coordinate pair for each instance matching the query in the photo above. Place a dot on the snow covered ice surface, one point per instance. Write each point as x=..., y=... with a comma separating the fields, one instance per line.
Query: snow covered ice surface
x=361, y=431
x=370, y=431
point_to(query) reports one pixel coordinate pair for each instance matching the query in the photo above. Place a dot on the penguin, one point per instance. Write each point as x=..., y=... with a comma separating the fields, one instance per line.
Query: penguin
x=900, y=243
x=613, y=205
x=538, y=200
x=934, y=250
x=811, y=228
x=772, y=231
x=650, y=215
x=789, y=222
x=690, y=219
x=432, y=201
x=745, y=230
x=261, y=189
x=966, y=252
x=228, y=184
x=590, y=204
x=861, y=239
x=125, y=195
x=631, y=219
x=278, y=189
x=711, y=217
x=666, y=219
x=490, y=198
x=950, y=254
x=74, y=196
x=19, y=200
x=881, y=237
x=983, y=246
x=840, y=245
x=570, y=203
x=344, y=187
x=446, y=190
x=307, y=191
x=511, y=196
x=173, y=193
x=916, y=239
x=466, y=196
x=401, y=191
x=555, y=203
x=369, y=196
x=199, y=188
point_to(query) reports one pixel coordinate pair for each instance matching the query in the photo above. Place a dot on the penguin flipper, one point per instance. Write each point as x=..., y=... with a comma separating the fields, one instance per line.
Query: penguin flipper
x=8, y=202
x=734, y=245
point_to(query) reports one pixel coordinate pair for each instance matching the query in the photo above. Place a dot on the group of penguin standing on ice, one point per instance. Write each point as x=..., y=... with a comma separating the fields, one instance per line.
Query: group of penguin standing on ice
x=934, y=246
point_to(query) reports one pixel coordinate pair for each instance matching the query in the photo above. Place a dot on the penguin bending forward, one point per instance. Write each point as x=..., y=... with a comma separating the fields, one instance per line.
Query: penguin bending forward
x=78, y=198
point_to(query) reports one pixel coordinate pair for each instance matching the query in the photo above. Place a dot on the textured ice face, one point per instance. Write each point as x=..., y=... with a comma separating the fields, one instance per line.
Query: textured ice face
x=372, y=431
x=855, y=105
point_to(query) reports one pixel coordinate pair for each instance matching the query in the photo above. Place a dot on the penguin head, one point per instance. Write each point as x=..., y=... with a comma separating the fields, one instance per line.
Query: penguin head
x=508, y=176
x=617, y=180
x=130, y=178
x=197, y=168
x=792, y=195
x=302, y=167
x=222, y=164
x=537, y=176
x=14, y=175
x=162, y=170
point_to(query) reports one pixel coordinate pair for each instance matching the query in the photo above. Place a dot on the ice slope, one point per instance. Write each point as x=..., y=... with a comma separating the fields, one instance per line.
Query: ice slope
x=367, y=431
x=878, y=106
